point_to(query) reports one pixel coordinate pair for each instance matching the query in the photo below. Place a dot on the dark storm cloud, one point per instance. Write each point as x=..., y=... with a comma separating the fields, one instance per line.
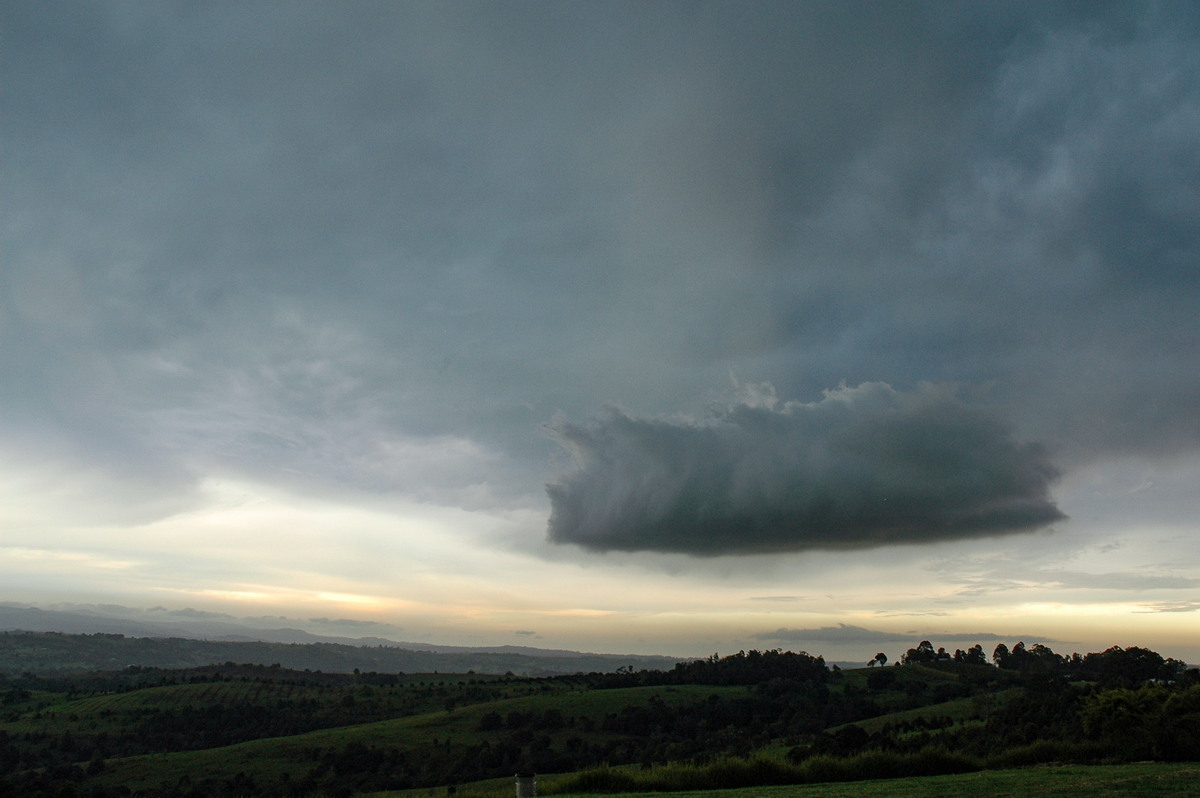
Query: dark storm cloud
x=866, y=466
x=372, y=246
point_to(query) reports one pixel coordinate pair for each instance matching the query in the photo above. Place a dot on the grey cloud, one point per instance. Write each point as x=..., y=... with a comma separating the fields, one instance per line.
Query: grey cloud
x=862, y=467
x=1186, y=606
x=1059, y=580
x=333, y=242
x=1028, y=570
x=189, y=612
x=842, y=633
x=352, y=622
x=845, y=633
x=1114, y=580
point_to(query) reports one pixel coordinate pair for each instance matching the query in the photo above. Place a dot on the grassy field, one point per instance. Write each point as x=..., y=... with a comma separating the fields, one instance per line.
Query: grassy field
x=958, y=710
x=248, y=730
x=340, y=704
x=271, y=758
x=1144, y=780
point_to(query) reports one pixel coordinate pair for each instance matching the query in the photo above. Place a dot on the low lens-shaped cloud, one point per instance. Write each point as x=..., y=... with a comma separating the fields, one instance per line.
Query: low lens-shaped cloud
x=863, y=467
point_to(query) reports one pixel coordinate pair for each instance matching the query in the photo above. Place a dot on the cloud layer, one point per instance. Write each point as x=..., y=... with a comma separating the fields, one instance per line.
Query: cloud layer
x=845, y=633
x=862, y=467
x=352, y=257
x=398, y=229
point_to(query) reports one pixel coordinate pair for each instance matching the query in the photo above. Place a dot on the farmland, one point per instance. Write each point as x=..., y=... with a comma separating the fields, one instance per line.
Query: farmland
x=748, y=721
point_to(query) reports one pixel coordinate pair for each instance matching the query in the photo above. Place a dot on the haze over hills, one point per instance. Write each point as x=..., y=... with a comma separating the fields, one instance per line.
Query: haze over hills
x=187, y=624
x=196, y=625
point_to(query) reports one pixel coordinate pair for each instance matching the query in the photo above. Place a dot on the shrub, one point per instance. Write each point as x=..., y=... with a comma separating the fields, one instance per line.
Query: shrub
x=1046, y=751
x=936, y=761
x=823, y=767
x=731, y=773
x=602, y=779
x=756, y=772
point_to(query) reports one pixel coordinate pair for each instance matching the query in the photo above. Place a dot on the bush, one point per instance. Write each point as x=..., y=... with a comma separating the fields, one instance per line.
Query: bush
x=939, y=762
x=1046, y=751
x=602, y=779
x=824, y=768
x=1179, y=731
x=887, y=765
x=756, y=772
x=727, y=774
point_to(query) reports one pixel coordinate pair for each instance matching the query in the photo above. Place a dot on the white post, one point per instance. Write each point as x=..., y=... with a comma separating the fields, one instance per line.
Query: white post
x=526, y=785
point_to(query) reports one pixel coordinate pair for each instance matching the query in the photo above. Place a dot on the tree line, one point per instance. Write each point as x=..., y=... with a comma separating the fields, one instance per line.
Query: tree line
x=1113, y=667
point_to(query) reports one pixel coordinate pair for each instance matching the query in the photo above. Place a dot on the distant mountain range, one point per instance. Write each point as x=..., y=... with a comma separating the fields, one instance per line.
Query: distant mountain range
x=204, y=639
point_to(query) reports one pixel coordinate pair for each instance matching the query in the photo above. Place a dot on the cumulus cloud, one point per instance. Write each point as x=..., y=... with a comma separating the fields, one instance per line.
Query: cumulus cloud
x=863, y=467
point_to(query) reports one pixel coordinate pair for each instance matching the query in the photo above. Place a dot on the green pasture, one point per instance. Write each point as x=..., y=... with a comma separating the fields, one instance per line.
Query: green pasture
x=271, y=758
x=959, y=710
x=346, y=702
x=1142, y=780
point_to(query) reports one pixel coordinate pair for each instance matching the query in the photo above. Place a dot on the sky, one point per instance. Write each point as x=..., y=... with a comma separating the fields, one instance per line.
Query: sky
x=638, y=327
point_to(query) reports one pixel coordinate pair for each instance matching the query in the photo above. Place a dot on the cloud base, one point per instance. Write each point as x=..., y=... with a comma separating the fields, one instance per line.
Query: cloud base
x=863, y=467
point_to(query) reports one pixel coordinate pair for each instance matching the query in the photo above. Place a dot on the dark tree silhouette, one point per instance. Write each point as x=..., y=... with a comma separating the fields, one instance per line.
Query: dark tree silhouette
x=922, y=653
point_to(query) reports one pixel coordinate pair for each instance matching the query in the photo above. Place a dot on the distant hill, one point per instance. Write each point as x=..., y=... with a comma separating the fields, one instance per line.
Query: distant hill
x=202, y=626
x=56, y=652
x=197, y=626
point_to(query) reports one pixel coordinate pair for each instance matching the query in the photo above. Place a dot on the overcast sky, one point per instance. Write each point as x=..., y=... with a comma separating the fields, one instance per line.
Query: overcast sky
x=621, y=326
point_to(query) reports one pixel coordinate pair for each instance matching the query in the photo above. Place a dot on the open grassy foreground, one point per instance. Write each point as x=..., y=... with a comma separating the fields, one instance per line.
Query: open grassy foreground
x=1160, y=780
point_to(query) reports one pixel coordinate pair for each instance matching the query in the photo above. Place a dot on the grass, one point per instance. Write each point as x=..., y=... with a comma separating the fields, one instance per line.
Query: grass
x=1141, y=780
x=959, y=710
x=339, y=704
x=731, y=772
x=272, y=757
x=429, y=720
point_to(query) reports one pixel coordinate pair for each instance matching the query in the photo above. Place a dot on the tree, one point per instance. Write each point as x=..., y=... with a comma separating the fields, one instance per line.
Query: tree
x=1126, y=667
x=922, y=653
x=1000, y=655
x=1043, y=659
x=1124, y=718
x=880, y=659
x=881, y=679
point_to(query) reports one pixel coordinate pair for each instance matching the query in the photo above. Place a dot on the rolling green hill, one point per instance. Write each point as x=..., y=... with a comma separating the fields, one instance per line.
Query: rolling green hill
x=750, y=720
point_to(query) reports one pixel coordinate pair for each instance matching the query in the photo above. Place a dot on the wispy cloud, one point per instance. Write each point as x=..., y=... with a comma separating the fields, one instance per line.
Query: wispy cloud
x=1184, y=606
